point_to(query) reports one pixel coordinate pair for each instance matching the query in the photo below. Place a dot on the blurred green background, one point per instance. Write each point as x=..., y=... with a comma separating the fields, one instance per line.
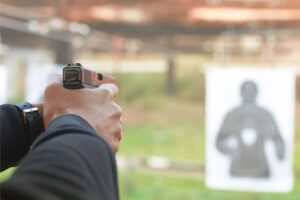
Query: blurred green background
x=159, y=52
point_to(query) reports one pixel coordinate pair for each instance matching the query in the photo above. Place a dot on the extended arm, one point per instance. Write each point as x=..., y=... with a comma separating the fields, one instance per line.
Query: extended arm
x=71, y=159
x=276, y=138
x=68, y=161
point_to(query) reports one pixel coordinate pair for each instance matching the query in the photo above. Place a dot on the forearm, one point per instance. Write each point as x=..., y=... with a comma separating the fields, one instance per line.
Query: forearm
x=68, y=161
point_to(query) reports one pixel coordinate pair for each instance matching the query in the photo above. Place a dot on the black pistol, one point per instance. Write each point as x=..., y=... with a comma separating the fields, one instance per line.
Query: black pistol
x=75, y=76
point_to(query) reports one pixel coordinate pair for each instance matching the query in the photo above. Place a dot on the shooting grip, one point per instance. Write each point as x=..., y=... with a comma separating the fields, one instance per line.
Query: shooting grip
x=75, y=76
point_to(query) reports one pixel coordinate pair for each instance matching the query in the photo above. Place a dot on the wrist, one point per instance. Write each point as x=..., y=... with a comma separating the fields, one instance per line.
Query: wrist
x=32, y=120
x=49, y=116
x=40, y=108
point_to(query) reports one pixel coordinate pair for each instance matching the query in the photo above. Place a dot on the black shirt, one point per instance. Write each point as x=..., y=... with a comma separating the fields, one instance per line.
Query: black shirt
x=68, y=161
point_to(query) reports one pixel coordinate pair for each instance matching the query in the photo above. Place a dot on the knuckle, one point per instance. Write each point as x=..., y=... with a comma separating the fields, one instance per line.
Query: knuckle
x=106, y=92
x=110, y=90
x=118, y=110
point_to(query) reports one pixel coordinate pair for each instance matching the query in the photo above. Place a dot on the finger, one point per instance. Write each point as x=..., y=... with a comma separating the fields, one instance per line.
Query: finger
x=111, y=88
x=117, y=132
x=108, y=79
x=117, y=136
x=117, y=111
x=121, y=120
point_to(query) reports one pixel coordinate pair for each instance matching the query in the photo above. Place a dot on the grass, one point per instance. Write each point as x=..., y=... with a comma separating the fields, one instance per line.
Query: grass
x=6, y=174
x=159, y=186
x=166, y=131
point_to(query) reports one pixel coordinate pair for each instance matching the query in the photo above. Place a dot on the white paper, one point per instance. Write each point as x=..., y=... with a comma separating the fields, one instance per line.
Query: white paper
x=253, y=151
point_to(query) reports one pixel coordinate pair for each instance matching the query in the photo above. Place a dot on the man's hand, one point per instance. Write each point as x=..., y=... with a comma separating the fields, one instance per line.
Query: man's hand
x=96, y=105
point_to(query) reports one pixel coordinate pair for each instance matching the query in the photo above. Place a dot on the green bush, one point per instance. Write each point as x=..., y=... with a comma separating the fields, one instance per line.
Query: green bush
x=151, y=87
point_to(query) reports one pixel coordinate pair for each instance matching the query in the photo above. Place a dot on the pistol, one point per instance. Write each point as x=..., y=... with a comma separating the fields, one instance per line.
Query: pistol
x=75, y=76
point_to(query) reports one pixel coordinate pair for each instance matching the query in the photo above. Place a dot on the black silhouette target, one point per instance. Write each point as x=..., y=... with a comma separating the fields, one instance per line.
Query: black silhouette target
x=244, y=132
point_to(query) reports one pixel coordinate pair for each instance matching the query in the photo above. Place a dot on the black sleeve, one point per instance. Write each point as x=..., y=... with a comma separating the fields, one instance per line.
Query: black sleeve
x=68, y=161
x=14, y=144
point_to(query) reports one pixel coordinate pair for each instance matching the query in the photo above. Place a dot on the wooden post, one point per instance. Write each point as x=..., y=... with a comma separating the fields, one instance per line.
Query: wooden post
x=170, y=74
x=171, y=67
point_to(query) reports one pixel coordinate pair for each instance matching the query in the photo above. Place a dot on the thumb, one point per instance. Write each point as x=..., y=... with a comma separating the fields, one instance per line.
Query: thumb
x=110, y=87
